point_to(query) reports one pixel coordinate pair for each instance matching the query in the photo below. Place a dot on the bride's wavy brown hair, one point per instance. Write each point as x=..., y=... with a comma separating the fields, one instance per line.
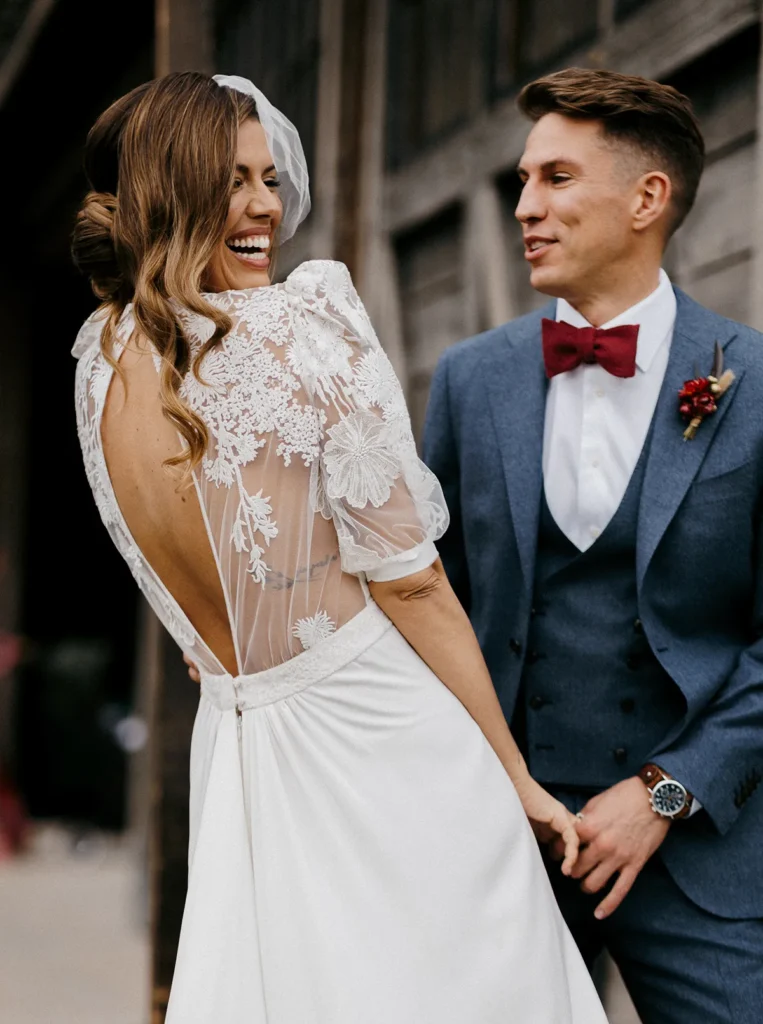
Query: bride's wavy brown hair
x=160, y=163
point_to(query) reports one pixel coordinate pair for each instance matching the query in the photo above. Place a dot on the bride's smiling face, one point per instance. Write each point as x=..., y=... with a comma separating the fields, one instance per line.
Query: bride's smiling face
x=243, y=257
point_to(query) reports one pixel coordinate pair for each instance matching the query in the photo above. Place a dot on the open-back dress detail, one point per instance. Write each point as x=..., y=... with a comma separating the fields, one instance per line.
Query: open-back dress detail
x=358, y=854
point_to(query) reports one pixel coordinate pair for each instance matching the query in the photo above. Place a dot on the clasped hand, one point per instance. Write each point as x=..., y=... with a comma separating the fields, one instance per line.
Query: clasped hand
x=551, y=822
x=618, y=833
x=193, y=668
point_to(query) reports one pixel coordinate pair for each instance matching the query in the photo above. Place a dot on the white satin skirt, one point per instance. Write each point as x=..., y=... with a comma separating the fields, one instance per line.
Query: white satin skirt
x=359, y=855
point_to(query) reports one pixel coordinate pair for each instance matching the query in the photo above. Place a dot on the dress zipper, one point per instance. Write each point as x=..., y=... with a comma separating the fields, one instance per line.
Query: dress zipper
x=239, y=709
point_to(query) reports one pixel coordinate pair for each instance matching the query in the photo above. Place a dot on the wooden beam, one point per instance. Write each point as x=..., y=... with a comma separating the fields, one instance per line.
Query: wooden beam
x=324, y=185
x=348, y=172
x=184, y=36
x=376, y=275
x=661, y=38
x=22, y=45
x=175, y=705
x=487, y=258
x=183, y=42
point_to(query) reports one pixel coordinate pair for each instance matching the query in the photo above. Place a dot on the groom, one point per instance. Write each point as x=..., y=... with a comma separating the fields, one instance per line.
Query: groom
x=612, y=570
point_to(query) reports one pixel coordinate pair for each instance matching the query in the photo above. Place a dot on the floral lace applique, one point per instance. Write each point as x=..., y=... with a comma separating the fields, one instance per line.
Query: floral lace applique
x=254, y=517
x=314, y=629
x=377, y=381
x=246, y=392
x=360, y=465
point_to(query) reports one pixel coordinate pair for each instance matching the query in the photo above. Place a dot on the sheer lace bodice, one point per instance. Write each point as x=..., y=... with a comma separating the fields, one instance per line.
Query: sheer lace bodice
x=310, y=484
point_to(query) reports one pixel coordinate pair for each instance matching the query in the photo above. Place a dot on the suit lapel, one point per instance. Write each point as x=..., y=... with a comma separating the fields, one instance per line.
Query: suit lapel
x=517, y=398
x=673, y=463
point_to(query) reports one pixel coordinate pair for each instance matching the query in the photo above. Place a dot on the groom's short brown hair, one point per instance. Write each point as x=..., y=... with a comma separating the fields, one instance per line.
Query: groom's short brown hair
x=655, y=119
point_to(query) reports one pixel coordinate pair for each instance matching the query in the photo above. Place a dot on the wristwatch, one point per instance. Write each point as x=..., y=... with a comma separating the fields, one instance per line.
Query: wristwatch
x=667, y=796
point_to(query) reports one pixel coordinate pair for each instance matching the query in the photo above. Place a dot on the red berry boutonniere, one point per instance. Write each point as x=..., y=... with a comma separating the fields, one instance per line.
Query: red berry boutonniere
x=698, y=398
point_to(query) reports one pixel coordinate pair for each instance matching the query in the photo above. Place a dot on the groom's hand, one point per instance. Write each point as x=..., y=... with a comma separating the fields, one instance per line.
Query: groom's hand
x=193, y=668
x=618, y=832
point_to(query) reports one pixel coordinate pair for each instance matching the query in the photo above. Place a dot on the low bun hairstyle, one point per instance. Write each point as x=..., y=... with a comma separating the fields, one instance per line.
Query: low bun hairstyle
x=160, y=164
x=93, y=244
x=92, y=239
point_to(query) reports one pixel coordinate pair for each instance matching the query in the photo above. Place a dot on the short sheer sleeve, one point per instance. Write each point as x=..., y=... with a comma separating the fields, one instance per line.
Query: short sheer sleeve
x=387, y=507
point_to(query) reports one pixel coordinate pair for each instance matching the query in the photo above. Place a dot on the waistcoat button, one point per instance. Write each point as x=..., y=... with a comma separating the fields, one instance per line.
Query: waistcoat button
x=537, y=702
x=620, y=755
x=638, y=627
x=633, y=662
x=532, y=657
x=627, y=704
x=515, y=646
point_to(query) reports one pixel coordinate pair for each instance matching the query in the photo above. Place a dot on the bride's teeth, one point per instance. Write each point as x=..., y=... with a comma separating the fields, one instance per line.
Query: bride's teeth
x=251, y=248
x=258, y=242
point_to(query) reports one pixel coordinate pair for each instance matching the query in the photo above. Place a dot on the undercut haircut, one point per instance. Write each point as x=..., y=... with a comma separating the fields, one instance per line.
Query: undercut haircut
x=652, y=119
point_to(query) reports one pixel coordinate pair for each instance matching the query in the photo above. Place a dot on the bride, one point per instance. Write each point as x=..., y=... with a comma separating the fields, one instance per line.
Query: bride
x=360, y=847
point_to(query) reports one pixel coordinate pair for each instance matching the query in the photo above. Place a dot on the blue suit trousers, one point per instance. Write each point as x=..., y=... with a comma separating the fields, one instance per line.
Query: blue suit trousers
x=681, y=964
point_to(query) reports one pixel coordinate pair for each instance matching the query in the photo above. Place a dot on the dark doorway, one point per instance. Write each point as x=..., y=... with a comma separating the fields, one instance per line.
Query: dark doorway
x=78, y=601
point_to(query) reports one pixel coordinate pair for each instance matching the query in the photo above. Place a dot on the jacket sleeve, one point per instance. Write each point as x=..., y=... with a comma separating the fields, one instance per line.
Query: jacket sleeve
x=440, y=452
x=719, y=757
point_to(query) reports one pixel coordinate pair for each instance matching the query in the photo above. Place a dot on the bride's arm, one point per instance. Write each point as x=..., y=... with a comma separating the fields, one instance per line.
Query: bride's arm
x=426, y=611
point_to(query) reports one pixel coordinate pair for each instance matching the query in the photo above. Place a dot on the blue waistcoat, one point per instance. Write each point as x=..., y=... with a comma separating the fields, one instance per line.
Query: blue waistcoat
x=596, y=700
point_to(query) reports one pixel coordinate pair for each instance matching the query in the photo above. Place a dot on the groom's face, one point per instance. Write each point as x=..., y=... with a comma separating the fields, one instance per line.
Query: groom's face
x=575, y=209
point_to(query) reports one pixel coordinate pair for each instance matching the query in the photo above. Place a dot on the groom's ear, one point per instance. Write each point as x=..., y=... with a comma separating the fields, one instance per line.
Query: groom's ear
x=652, y=199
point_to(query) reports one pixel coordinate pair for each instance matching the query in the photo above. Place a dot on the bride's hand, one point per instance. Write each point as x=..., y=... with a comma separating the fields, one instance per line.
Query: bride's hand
x=550, y=820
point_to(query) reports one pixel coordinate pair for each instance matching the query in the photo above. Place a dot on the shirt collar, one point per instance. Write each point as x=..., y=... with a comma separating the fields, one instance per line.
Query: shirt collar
x=655, y=315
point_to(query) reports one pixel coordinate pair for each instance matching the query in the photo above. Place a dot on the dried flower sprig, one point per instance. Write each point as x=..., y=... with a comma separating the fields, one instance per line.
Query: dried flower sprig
x=698, y=398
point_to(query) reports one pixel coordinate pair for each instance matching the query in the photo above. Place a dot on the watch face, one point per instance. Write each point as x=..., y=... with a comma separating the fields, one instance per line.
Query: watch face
x=668, y=798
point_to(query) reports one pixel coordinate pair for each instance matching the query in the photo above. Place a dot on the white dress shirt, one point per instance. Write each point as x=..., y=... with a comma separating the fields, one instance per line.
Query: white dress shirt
x=596, y=424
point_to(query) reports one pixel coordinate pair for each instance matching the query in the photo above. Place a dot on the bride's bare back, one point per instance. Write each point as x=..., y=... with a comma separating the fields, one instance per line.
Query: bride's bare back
x=162, y=513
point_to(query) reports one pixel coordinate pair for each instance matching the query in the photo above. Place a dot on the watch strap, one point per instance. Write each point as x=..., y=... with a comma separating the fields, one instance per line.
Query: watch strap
x=651, y=774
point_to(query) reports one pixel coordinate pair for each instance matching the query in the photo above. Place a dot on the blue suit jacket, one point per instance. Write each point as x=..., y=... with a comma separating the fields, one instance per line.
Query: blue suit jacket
x=699, y=564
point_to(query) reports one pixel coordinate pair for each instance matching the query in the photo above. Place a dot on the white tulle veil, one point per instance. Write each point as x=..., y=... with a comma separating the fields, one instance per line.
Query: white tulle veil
x=286, y=150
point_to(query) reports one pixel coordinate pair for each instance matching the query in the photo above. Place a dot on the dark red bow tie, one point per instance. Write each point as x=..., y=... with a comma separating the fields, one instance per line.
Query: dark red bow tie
x=565, y=347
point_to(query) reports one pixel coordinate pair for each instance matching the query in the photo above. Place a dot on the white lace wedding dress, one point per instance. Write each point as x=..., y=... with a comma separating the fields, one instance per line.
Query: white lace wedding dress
x=358, y=854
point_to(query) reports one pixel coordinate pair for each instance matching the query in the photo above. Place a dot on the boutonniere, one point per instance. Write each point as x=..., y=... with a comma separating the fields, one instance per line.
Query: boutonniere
x=698, y=398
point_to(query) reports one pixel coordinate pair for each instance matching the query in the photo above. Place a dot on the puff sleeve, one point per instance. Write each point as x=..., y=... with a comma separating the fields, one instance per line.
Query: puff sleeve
x=387, y=507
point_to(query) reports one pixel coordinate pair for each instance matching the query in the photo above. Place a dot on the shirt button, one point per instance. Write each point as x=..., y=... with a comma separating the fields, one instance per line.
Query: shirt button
x=620, y=755
x=595, y=532
x=595, y=463
x=600, y=392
